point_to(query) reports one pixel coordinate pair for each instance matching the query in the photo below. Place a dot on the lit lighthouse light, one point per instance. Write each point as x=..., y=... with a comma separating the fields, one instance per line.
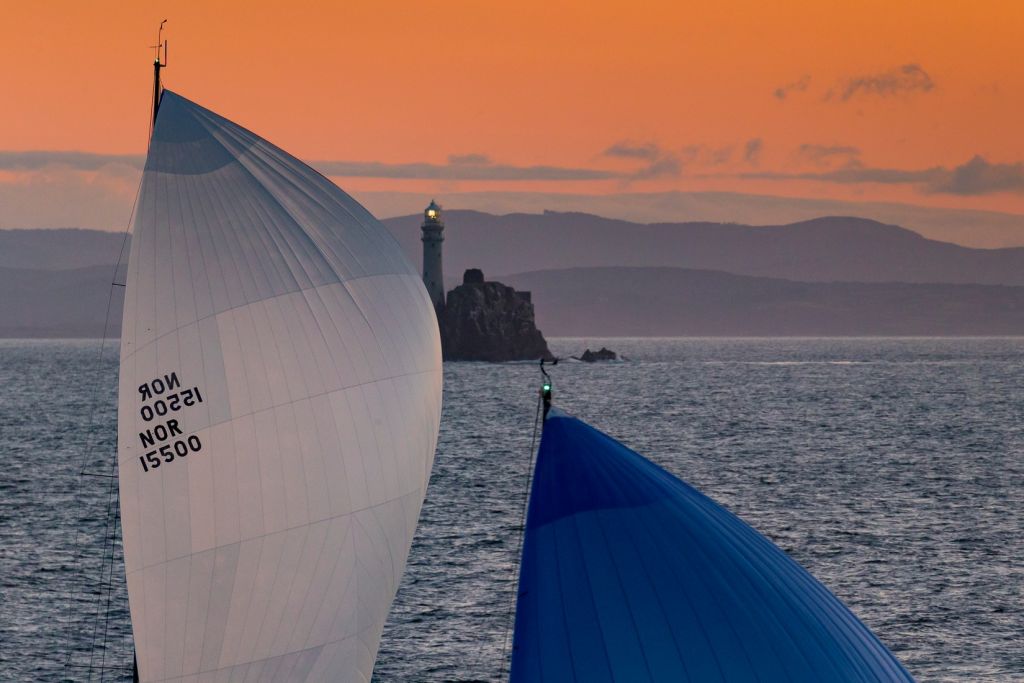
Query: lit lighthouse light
x=433, y=237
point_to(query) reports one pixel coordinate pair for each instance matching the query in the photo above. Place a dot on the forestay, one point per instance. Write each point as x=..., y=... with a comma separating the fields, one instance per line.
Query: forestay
x=280, y=395
x=629, y=574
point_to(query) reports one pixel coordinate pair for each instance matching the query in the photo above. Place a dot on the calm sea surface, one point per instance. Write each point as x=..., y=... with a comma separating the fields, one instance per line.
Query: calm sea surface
x=892, y=469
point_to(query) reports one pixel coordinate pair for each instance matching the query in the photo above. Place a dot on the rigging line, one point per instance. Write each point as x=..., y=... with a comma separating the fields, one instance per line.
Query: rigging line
x=112, y=668
x=78, y=552
x=110, y=576
x=102, y=586
x=519, y=544
x=88, y=453
x=106, y=570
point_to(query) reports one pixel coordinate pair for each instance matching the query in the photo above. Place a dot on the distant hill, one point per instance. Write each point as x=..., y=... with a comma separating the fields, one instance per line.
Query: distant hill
x=971, y=228
x=596, y=276
x=610, y=302
x=685, y=302
x=58, y=303
x=820, y=250
x=59, y=248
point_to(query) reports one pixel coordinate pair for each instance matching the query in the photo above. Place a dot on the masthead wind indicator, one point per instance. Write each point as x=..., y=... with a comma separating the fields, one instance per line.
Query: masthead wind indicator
x=158, y=64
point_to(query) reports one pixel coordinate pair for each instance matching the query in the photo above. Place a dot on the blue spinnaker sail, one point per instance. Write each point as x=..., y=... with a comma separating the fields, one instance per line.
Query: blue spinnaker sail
x=629, y=574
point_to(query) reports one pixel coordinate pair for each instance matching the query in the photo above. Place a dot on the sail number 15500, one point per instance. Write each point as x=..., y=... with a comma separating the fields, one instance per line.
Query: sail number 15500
x=170, y=451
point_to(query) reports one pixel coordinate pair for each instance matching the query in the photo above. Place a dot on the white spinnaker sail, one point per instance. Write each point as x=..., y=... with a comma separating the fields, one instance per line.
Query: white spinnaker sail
x=280, y=395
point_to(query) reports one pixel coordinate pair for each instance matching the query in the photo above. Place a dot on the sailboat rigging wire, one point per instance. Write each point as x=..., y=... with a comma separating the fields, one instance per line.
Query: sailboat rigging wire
x=113, y=492
x=110, y=574
x=106, y=573
x=113, y=495
x=519, y=542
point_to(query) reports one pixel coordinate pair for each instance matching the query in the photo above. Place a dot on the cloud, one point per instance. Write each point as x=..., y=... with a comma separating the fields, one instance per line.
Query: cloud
x=722, y=155
x=702, y=155
x=975, y=177
x=469, y=159
x=473, y=166
x=34, y=160
x=978, y=176
x=752, y=151
x=905, y=79
x=856, y=173
x=51, y=188
x=691, y=153
x=666, y=166
x=660, y=163
x=626, y=150
x=458, y=171
x=823, y=155
x=783, y=91
x=59, y=196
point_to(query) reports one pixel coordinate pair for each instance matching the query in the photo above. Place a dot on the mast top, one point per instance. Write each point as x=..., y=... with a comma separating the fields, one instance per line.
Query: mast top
x=158, y=63
x=159, y=44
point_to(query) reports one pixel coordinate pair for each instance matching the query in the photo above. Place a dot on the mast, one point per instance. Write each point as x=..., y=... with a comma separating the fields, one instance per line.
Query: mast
x=157, y=65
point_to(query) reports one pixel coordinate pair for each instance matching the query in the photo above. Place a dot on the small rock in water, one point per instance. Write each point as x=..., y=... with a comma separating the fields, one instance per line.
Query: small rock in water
x=594, y=356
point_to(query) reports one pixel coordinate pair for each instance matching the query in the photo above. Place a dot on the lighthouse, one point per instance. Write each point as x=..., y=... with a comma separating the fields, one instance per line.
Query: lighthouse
x=433, y=236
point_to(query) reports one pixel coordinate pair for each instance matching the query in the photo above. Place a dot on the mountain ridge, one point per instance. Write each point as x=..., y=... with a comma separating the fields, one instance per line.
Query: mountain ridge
x=59, y=248
x=969, y=227
x=601, y=276
x=825, y=249
x=832, y=248
x=652, y=302
x=612, y=301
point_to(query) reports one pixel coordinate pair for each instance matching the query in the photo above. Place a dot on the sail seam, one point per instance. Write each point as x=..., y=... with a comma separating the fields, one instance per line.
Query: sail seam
x=731, y=537
x=152, y=341
x=251, y=156
x=350, y=537
x=823, y=601
x=202, y=353
x=616, y=570
x=265, y=659
x=215, y=135
x=309, y=587
x=278, y=531
x=685, y=598
x=259, y=148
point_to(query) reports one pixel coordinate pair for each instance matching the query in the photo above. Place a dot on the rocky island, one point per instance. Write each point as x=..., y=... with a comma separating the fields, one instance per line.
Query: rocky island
x=478, y=320
x=597, y=356
x=489, y=321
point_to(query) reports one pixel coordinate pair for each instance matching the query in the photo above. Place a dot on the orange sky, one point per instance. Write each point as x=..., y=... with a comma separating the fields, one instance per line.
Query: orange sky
x=914, y=85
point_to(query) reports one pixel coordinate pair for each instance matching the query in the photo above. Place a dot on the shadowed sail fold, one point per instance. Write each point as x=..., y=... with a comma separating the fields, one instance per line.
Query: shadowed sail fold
x=280, y=394
x=629, y=574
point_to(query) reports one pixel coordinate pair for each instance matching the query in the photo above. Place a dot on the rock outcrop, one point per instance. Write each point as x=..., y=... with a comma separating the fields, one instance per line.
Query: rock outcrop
x=489, y=321
x=597, y=356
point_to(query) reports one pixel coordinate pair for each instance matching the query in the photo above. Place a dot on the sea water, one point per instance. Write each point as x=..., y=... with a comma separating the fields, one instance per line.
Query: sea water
x=893, y=469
